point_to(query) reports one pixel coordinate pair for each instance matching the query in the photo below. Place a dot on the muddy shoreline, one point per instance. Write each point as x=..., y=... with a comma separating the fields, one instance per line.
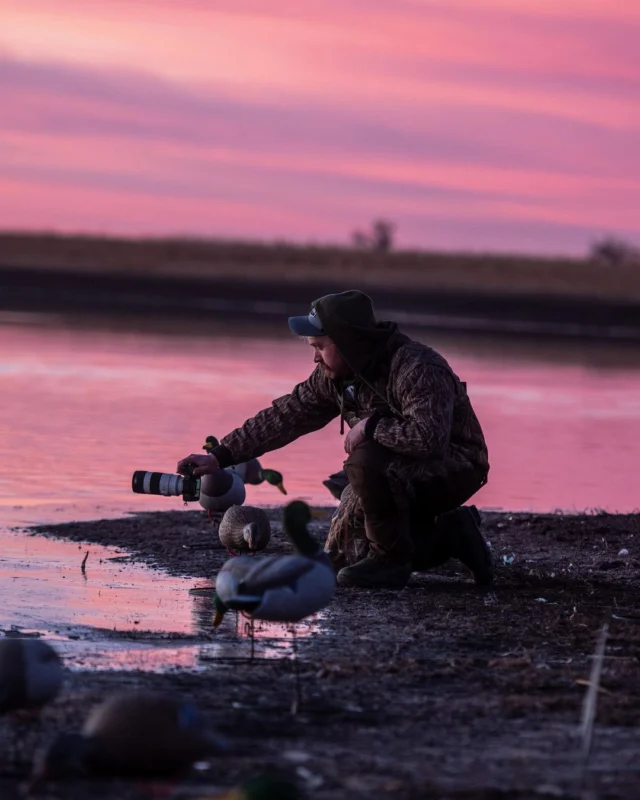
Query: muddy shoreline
x=437, y=691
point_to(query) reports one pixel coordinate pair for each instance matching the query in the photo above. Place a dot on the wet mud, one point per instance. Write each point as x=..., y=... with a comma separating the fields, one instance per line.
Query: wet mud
x=436, y=691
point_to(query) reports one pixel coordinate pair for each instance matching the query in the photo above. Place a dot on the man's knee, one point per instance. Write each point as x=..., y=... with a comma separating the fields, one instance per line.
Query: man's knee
x=367, y=464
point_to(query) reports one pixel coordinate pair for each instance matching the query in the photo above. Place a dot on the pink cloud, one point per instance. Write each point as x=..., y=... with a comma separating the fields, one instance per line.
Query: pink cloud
x=515, y=125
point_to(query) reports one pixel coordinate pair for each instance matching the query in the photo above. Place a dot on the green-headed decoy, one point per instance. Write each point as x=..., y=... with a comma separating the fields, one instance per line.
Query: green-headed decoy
x=252, y=471
x=131, y=734
x=279, y=588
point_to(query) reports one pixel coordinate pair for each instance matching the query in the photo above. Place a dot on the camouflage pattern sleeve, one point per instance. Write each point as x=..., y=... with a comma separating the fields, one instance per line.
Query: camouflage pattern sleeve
x=311, y=405
x=426, y=395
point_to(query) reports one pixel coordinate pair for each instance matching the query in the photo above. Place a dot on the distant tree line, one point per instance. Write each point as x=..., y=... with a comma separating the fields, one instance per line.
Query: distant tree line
x=379, y=239
x=612, y=252
x=609, y=252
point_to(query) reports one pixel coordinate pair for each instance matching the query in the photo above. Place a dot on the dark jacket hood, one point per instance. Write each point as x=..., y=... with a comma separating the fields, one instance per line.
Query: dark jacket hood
x=348, y=318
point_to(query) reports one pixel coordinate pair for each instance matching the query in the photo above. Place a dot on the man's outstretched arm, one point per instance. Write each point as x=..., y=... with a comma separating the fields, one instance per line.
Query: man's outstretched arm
x=310, y=406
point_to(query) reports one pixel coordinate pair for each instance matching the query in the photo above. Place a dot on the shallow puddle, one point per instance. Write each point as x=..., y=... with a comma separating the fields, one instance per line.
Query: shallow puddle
x=118, y=614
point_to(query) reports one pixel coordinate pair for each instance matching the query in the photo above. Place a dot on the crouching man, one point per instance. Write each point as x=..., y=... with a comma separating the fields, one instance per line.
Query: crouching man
x=415, y=449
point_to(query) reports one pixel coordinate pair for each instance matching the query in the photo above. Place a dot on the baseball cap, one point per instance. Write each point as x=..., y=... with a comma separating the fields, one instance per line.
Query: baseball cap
x=307, y=325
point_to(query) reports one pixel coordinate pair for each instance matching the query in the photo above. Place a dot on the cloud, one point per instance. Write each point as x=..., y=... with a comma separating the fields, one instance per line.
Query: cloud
x=472, y=118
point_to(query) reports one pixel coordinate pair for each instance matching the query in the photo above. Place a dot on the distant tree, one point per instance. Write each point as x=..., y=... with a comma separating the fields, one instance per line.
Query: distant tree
x=378, y=240
x=614, y=252
x=383, y=232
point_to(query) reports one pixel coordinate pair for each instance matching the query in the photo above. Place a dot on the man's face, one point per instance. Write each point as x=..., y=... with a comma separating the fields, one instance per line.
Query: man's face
x=329, y=357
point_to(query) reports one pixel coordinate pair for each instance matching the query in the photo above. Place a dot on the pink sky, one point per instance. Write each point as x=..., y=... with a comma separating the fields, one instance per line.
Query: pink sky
x=472, y=124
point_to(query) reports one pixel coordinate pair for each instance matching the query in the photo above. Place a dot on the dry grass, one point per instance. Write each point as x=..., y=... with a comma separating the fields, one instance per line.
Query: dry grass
x=484, y=273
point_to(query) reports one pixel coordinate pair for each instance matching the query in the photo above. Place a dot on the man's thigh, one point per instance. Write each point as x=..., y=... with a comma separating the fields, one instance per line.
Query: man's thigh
x=440, y=493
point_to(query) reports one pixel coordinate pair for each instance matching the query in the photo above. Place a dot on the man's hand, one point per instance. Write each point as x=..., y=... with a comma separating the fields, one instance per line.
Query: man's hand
x=355, y=436
x=205, y=465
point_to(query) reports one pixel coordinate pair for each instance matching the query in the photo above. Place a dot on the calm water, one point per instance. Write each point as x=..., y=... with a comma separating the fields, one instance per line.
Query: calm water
x=100, y=618
x=85, y=407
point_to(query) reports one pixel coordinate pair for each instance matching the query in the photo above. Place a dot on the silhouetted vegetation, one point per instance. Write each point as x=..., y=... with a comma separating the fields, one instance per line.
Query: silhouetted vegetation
x=614, y=252
x=378, y=240
x=482, y=273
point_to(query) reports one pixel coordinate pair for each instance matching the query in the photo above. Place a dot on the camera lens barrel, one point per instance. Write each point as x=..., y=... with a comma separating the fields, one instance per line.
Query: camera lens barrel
x=163, y=483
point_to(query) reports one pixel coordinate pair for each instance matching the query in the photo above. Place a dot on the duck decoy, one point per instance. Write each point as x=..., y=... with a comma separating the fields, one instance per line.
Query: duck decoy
x=337, y=483
x=244, y=529
x=220, y=490
x=260, y=787
x=131, y=734
x=279, y=588
x=31, y=674
x=252, y=471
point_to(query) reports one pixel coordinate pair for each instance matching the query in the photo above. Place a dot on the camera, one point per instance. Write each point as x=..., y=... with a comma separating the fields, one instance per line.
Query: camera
x=167, y=484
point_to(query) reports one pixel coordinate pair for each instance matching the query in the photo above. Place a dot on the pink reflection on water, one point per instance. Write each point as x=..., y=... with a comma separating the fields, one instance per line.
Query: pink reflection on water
x=90, y=407
x=41, y=581
x=240, y=625
x=121, y=615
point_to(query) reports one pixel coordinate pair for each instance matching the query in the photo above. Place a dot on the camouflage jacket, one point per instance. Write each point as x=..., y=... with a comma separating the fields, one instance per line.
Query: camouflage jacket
x=422, y=413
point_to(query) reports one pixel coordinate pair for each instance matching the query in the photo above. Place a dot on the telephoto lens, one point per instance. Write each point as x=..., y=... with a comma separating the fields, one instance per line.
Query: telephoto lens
x=157, y=483
x=167, y=483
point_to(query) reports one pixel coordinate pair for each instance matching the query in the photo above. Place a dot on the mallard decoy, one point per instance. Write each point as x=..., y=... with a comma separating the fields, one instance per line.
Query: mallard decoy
x=279, y=588
x=31, y=674
x=337, y=483
x=131, y=734
x=260, y=787
x=252, y=471
x=220, y=490
x=244, y=529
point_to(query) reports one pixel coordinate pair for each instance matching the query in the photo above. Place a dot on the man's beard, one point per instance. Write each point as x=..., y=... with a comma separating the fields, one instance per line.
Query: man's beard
x=328, y=371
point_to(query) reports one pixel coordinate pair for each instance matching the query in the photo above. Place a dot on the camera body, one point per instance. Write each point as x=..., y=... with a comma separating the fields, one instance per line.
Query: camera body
x=190, y=485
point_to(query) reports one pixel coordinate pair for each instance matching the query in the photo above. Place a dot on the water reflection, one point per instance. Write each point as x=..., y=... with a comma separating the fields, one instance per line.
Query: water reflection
x=232, y=638
x=121, y=615
x=42, y=581
x=91, y=406
x=563, y=424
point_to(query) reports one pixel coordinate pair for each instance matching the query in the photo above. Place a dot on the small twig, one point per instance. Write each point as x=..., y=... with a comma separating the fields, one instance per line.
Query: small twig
x=584, y=682
x=590, y=704
x=295, y=705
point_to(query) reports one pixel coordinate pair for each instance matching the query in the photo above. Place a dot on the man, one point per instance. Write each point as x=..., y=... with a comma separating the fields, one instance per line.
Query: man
x=415, y=449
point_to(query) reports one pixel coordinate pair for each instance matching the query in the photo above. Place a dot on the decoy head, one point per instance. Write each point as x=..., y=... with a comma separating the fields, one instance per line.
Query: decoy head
x=66, y=756
x=297, y=515
x=221, y=610
x=264, y=787
x=256, y=536
x=210, y=443
x=275, y=478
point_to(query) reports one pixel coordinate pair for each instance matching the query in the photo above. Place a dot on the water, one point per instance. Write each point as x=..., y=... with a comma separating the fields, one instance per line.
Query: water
x=85, y=407
x=100, y=617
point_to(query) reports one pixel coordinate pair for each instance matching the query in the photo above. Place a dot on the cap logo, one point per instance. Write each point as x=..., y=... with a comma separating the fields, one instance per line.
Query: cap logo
x=314, y=319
